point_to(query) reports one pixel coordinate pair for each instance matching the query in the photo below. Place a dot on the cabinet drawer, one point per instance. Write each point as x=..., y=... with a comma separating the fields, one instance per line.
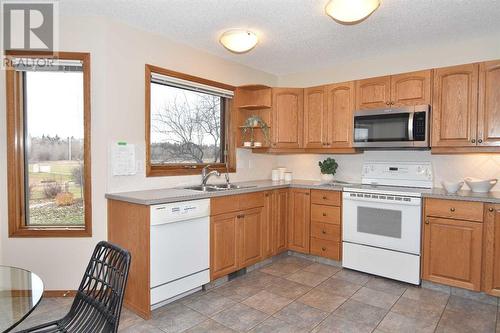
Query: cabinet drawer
x=251, y=200
x=226, y=204
x=233, y=203
x=325, y=231
x=331, y=198
x=325, y=248
x=455, y=209
x=327, y=214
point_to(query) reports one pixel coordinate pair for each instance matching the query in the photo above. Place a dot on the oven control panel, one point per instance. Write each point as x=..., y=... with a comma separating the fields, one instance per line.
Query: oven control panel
x=413, y=174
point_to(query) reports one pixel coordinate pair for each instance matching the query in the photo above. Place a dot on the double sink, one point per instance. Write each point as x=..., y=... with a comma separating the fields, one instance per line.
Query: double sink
x=217, y=187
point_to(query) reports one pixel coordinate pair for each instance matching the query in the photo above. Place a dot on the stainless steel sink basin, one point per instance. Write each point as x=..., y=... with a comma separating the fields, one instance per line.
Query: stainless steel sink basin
x=217, y=187
x=208, y=188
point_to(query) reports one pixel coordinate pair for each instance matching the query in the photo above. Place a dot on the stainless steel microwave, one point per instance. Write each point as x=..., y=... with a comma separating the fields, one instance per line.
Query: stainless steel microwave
x=404, y=127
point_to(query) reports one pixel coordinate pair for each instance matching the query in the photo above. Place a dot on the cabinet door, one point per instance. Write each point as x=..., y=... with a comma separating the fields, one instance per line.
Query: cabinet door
x=250, y=231
x=411, y=88
x=454, y=111
x=299, y=220
x=315, y=118
x=374, y=93
x=452, y=252
x=491, y=268
x=489, y=104
x=288, y=115
x=223, y=245
x=281, y=220
x=340, y=104
x=268, y=224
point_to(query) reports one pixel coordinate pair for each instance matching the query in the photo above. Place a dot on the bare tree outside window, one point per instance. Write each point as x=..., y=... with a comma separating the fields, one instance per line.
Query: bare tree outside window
x=186, y=126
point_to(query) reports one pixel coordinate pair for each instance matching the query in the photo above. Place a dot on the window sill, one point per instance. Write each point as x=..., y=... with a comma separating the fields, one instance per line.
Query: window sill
x=161, y=171
x=49, y=232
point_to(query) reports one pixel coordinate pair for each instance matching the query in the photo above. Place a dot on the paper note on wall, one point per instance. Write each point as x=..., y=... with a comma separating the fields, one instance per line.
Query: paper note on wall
x=123, y=159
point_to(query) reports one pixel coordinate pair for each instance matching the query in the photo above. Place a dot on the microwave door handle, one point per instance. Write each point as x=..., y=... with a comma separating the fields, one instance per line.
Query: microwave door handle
x=411, y=116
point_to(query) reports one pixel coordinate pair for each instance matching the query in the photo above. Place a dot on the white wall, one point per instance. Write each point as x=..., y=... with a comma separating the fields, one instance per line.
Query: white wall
x=445, y=167
x=118, y=56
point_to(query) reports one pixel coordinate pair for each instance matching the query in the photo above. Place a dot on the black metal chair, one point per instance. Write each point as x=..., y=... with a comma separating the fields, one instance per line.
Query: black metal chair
x=98, y=302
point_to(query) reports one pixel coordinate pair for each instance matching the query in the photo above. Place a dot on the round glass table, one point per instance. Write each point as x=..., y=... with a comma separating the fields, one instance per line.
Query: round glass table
x=20, y=293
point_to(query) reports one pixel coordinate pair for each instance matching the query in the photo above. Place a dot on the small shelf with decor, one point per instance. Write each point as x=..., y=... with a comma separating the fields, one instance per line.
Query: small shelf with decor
x=253, y=104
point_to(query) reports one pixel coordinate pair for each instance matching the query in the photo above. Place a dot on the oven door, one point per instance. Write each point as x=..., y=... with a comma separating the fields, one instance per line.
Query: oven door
x=385, y=221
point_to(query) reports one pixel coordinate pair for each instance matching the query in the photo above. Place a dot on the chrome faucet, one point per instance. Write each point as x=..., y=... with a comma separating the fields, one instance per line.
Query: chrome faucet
x=205, y=175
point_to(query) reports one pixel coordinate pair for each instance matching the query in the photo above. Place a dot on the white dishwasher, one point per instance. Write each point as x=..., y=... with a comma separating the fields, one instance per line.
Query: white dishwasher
x=180, y=249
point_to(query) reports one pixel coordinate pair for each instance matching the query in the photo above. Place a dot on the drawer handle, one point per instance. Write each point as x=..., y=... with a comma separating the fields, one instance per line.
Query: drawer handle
x=490, y=209
x=324, y=214
x=323, y=231
x=452, y=209
x=240, y=216
x=324, y=197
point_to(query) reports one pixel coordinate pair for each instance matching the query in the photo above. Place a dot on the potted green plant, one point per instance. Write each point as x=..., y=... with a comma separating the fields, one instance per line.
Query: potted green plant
x=328, y=168
x=250, y=124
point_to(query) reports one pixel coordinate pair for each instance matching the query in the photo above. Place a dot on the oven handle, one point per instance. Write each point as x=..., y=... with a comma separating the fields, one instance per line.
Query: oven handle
x=411, y=116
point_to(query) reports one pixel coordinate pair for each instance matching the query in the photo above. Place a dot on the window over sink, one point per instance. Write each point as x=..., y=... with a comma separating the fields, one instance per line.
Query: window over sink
x=188, y=123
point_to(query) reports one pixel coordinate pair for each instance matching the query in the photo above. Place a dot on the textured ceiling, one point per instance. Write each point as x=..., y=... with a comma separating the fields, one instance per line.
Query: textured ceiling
x=296, y=35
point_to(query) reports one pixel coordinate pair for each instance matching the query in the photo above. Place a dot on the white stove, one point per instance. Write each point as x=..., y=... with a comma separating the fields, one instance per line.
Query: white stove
x=382, y=219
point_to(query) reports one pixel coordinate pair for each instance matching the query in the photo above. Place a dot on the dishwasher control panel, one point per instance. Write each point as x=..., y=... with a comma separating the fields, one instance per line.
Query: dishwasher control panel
x=179, y=211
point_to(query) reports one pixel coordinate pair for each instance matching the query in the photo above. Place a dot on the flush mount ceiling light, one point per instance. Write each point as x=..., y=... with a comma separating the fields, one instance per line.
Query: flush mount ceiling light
x=238, y=40
x=351, y=11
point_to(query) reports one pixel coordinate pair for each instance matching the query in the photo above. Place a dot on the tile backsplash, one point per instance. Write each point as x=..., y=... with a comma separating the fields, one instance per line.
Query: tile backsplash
x=445, y=167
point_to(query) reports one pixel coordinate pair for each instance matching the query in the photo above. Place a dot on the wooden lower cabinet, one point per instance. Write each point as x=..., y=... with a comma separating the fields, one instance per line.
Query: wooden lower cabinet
x=452, y=252
x=281, y=220
x=223, y=248
x=299, y=220
x=326, y=224
x=491, y=253
x=249, y=226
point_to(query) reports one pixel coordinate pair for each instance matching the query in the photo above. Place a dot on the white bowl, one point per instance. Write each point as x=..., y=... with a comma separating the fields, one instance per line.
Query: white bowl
x=480, y=185
x=452, y=187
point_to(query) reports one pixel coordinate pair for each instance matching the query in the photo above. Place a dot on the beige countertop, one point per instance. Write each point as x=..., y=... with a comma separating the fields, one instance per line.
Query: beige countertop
x=168, y=195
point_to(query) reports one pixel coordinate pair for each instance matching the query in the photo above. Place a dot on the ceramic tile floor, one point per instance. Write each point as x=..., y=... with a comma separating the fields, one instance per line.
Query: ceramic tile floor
x=296, y=295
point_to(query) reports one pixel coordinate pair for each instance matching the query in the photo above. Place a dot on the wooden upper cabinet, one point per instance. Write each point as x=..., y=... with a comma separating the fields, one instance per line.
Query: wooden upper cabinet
x=411, y=88
x=288, y=115
x=491, y=267
x=454, y=111
x=489, y=104
x=299, y=220
x=250, y=231
x=223, y=241
x=373, y=93
x=315, y=118
x=340, y=105
x=452, y=252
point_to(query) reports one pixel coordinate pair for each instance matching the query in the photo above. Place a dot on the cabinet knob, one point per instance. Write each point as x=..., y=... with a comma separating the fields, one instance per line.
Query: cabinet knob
x=323, y=249
x=480, y=141
x=267, y=194
x=240, y=216
x=473, y=140
x=452, y=209
x=323, y=231
x=324, y=214
x=324, y=197
x=387, y=103
x=490, y=209
x=392, y=103
x=427, y=221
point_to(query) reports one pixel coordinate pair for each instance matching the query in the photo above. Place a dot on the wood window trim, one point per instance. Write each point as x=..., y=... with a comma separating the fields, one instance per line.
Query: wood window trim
x=15, y=150
x=186, y=168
